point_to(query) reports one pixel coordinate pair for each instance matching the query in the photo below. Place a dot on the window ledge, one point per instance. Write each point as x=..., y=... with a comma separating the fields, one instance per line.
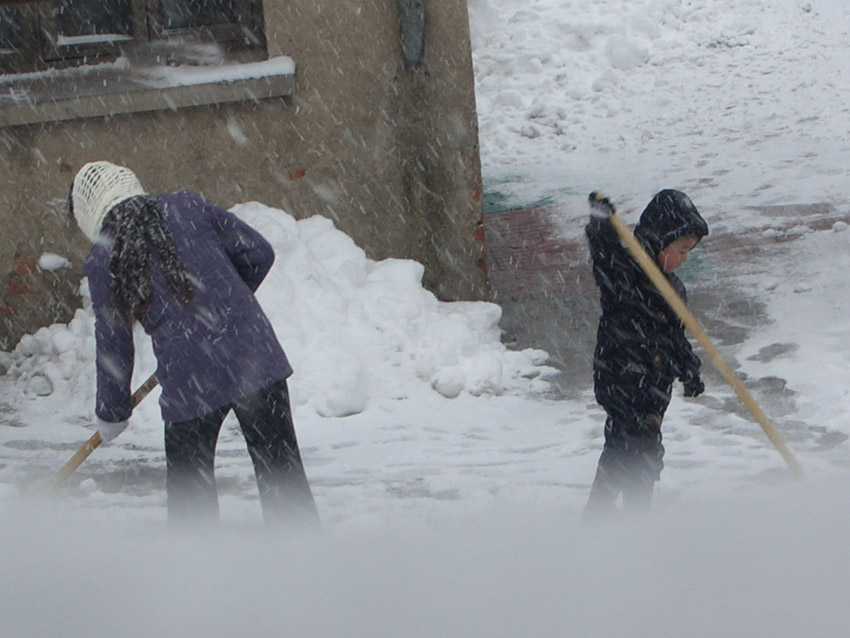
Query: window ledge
x=119, y=87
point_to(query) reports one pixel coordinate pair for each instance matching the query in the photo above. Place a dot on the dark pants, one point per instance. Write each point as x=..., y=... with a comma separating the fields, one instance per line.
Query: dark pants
x=630, y=464
x=266, y=422
x=632, y=457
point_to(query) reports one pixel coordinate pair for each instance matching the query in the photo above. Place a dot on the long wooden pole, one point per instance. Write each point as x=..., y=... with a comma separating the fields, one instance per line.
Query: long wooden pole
x=89, y=446
x=655, y=275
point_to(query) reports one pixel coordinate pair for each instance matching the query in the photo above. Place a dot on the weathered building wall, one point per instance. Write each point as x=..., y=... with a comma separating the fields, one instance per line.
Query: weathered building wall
x=385, y=148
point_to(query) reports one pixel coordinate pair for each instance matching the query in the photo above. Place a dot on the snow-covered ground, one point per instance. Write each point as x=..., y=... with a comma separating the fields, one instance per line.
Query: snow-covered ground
x=448, y=484
x=738, y=103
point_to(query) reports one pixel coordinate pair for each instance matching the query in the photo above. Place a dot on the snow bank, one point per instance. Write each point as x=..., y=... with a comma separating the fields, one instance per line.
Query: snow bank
x=354, y=329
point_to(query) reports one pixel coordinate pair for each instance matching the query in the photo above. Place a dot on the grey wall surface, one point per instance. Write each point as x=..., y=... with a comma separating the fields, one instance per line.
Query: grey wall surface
x=384, y=144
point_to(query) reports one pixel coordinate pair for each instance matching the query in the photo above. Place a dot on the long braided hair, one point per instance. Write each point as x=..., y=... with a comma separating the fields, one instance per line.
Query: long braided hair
x=139, y=230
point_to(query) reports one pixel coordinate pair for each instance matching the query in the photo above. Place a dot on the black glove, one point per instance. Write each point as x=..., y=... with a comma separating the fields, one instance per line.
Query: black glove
x=600, y=205
x=693, y=386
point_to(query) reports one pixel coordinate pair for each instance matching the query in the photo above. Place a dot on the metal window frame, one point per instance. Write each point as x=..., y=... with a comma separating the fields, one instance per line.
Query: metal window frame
x=26, y=57
x=40, y=48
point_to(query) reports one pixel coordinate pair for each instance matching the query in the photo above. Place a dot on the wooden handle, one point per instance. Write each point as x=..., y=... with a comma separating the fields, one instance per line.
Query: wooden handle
x=663, y=285
x=89, y=446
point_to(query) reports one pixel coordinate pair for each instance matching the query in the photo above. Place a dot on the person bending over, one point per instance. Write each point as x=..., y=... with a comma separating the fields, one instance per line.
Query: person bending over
x=187, y=270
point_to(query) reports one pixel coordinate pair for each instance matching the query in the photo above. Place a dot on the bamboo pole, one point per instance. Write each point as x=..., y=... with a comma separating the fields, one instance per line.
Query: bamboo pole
x=89, y=446
x=658, y=279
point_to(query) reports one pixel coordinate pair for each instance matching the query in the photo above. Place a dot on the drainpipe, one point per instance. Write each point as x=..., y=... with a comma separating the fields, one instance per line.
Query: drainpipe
x=412, y=21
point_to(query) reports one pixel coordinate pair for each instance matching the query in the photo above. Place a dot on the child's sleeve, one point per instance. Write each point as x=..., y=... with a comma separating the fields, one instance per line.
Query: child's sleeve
x=687, y=361
x=612, y=263
x=601, y=235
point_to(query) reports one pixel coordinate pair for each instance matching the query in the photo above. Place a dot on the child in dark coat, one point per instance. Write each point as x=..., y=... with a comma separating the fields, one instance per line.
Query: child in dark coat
x=641, y=348
x=187, y=270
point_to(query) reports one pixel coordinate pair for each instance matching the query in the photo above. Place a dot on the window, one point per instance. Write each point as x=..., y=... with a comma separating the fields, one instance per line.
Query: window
x=57, y=33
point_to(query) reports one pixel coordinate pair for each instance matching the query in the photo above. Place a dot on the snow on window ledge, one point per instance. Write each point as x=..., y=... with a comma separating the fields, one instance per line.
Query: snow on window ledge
x=120, y=87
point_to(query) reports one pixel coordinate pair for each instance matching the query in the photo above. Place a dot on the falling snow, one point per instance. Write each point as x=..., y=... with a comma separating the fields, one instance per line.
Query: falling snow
x=448, y=478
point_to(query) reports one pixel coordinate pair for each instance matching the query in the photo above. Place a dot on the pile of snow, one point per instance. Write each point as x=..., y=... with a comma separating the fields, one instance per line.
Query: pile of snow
x=354, y=329
x=52, y=261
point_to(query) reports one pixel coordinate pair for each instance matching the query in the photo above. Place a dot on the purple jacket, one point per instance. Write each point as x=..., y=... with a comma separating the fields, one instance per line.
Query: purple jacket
x=210, y=353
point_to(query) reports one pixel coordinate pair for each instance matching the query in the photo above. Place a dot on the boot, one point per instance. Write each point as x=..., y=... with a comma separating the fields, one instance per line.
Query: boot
x=603, y=495
x=637, y=496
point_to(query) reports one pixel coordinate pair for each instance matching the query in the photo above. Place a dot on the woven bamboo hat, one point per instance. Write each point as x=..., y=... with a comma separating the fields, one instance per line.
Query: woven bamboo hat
x=97, y=188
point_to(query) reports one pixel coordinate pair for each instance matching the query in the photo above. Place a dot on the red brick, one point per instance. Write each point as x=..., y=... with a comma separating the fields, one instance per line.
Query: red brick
x=18, y=287
x=25, y=266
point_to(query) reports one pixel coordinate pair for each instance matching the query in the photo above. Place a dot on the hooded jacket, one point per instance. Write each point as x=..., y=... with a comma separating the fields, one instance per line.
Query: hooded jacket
x=641, y=344
x=211, y=352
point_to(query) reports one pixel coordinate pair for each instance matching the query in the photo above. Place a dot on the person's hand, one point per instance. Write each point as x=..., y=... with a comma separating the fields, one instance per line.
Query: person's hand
x=108, y=430
x=600, y=205
x=693, y=386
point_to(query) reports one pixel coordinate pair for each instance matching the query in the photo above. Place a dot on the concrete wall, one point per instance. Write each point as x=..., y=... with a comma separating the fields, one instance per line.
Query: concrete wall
x=386, y=149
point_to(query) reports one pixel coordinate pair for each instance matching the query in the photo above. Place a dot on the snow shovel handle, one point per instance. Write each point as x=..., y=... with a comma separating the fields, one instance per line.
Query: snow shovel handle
x=660, y=281
x=89, y=446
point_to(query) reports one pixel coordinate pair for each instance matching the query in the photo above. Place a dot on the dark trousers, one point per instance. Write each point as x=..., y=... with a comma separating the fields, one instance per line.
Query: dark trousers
x=266, y=422
x=630, y=464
